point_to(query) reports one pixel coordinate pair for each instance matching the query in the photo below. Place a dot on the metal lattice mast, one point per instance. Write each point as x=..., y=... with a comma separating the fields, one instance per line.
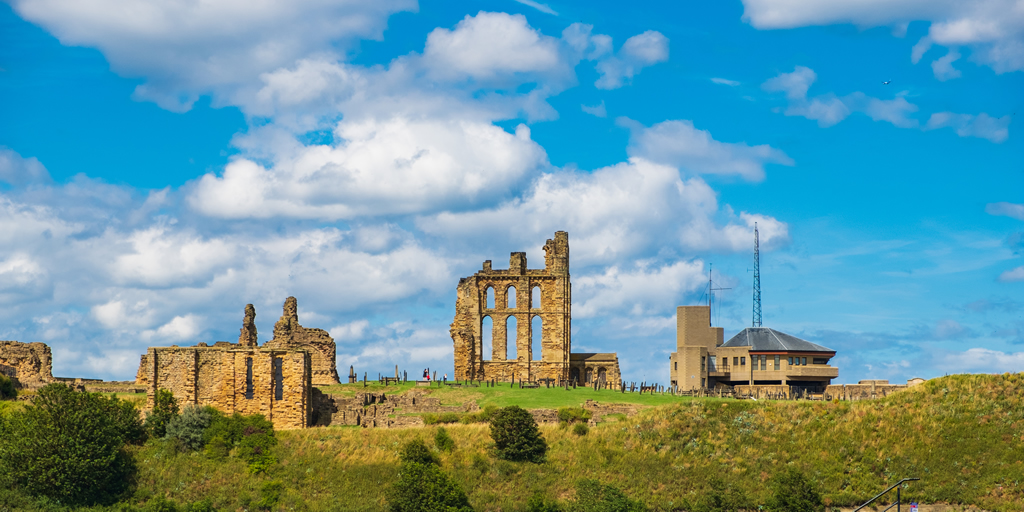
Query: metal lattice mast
x=757, y=281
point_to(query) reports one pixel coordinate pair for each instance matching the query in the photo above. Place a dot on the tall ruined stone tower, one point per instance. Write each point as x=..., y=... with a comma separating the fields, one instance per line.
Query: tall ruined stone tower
x=289, y=334
x=248, y=336
x=512, y=293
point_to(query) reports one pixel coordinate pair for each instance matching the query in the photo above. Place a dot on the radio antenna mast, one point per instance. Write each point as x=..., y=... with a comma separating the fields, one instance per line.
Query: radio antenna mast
x=757, y=281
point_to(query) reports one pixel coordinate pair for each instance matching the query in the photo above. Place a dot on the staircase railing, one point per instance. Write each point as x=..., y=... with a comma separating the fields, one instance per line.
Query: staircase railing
x=896, y=486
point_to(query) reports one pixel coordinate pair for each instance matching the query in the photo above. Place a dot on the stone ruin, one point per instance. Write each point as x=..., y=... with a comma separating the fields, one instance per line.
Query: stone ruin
x=29, y=365
x=514, y=297
x=275, y=380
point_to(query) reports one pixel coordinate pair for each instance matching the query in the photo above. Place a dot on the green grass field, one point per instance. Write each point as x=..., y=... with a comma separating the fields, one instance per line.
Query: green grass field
x=962, y=435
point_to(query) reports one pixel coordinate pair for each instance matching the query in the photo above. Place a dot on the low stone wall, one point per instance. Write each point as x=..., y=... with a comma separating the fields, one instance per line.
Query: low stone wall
x=861, y=391
x=372, y=410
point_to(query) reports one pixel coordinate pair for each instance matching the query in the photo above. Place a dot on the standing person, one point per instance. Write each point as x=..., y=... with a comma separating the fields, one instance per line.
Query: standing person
x=445, y=377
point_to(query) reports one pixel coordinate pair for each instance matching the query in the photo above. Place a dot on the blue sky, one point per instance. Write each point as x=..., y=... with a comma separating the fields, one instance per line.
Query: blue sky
x=163, y=165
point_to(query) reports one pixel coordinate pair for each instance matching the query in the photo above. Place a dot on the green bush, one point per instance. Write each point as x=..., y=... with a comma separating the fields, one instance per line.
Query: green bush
x=722, y=498
x=793, y=492
x=482, y=416
x=443, y=440
x=593, y=496
x=252, y=435
x=416, y=450
x=68, y=446
x=7, y=390
x=580, y=429
x=516, y=436
x=574, y=415
x=189, y=426
x=270, y=494
x=425, y=488
x=165, y=408
x=540, y=503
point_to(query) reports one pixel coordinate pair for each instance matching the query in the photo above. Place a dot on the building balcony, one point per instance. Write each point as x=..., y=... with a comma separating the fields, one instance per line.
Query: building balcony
x=740, y=373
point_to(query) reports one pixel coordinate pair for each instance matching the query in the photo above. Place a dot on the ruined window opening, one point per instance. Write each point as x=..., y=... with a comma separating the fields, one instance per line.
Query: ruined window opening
x=486, y=336
x=511, y=336
x=510, y=297
x=602, y=374
x=590, y=376
x=535, y=297
x=536, y=341
x=248, y=378
x=278, y=378
x=490, y=298
x=575, y=375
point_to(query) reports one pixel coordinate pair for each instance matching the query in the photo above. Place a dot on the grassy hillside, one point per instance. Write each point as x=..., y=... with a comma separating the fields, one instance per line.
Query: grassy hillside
x=962, y=435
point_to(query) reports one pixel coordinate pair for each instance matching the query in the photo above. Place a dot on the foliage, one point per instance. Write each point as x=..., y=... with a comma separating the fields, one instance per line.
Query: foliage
x=252, y=435
x=69, y=446
x=722, y=497
x=516, y=436
x=541, y=503
x=793, y=492
x=443, y=440
x=270, y=494
x=444, y=417
x=482, y=416
x=415, y=450
x=165, y=408
x=580, y=429
x=574, y=415
x=425, y=488
x=189, y=426
x=593, y=496
x=7, y=390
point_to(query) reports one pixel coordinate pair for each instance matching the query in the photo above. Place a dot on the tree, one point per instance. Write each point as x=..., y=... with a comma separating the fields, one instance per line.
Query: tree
x=189, y=426
x=416, y=451
x=793, y=492
x=425, y=488
x=165, y=408
x=69, y=446
x=516, y=436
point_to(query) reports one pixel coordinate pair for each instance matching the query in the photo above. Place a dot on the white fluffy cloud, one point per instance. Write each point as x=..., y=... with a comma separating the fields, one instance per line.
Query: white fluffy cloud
x=638, y=52
x=613, y=213
x=981, y=360
x=640, y=290
x=18, y=171
x=1013, y=210
x=993, y=29
x=829, y=109
x=399, y=166
x=1013, y=275
x=184, y=49
x=680, y=144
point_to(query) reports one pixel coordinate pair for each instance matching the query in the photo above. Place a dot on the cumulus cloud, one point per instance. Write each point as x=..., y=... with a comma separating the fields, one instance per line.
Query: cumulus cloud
x=1013, y=210
x=980, y=360
x=185, y=49
x=640, y=290
x=943, y=66
x=829, y=109
x=678, y=143
x=613, y=213
x=967, y=125
x=993, y=29
x=638, y=52
x=398, y=166
x=18, y=171
x=1011, y=276
x=596, y=110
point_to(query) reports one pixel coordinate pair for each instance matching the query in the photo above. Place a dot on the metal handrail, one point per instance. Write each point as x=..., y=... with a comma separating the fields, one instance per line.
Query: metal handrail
x=893, y=486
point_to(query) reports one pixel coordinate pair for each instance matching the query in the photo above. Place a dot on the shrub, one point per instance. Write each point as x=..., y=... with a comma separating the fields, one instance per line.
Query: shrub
x=165, y=408
x=516, y=436
x=540, y=503
x=425, y=488
x=574, y=415
x=793, y=492
x=722, y=498
x=7, y=390
x=580, y=429
x=416, y=451
x=252, y=435
x=443, y=440
x=482, y=416
x=189, y=426
x=270, y=494
x=592, y=496
x=67, y=446
x=127, y=420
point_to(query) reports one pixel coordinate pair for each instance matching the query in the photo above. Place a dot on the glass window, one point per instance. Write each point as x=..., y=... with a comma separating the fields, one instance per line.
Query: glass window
x=702, y=362
x=803, y=361
x=764, y=363
x=743, y=361
x=777, y=358
x=791, y=361
x=677, y=365
x=735, y=361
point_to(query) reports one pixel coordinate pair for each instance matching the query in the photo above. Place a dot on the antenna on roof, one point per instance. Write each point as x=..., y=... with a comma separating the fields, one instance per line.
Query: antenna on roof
x=711, y=292
x=757, y=281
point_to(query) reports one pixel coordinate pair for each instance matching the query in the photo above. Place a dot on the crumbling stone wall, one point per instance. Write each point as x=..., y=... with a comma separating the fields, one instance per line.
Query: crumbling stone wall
x=28, y=364
x=512, y=291
x=378, y=410
x=289, y=334
x=246, y=380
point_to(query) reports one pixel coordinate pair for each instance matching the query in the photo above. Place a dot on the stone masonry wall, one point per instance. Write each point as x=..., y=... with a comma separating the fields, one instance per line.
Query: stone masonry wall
x=28, y=364
x=471, y=308
x=288, y=334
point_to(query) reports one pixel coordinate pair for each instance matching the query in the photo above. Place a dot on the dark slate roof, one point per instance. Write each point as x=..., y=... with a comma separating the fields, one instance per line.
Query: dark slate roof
x=763, y=339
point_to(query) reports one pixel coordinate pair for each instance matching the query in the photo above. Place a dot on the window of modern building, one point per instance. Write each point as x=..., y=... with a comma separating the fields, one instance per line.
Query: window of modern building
x=702, y=363
x=743, y=361
x=676, y=365
x=803, y=361
x=820, y=360
x=791, y=361
x=712, y=364
x=764, y=363
x=777, y=359
x=735, y=361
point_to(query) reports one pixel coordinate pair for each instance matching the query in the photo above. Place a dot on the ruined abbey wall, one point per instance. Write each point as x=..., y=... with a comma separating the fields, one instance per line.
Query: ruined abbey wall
x=288, y=334
x=28, y=364
x=500, y=294
x=233, y=378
